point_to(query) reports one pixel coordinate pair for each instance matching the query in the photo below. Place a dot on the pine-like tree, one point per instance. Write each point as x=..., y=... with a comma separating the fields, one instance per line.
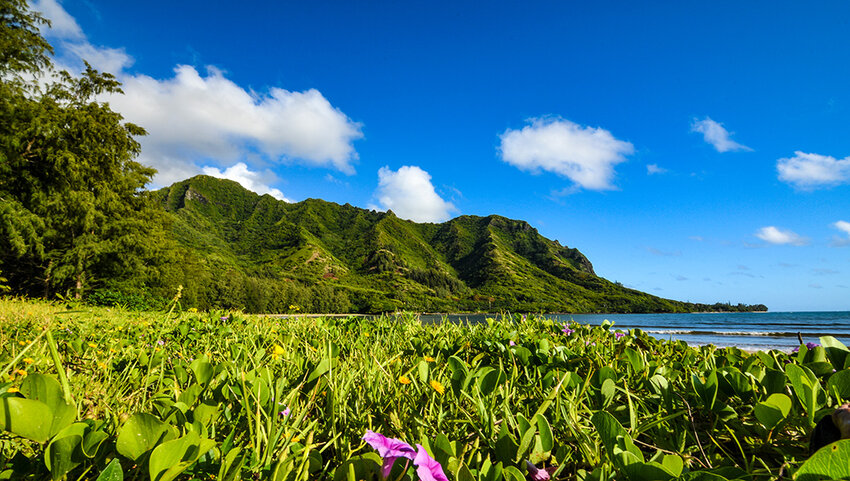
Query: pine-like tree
x=73, y=209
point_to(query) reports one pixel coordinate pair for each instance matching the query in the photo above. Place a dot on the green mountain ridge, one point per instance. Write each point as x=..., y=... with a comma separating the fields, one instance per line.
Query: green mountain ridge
x=324, y=257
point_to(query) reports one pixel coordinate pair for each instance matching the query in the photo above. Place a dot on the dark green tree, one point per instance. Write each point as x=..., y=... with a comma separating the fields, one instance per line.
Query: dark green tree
x=73, y=212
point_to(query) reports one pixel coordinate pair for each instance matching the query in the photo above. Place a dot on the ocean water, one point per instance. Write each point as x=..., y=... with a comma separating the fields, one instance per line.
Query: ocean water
x=746, y=330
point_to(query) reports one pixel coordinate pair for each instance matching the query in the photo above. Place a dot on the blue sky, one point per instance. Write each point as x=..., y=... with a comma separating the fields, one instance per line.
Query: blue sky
x=696, y=151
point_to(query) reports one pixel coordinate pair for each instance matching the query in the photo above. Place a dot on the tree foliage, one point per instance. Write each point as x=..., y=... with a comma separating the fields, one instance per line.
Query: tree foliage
x=73, y=212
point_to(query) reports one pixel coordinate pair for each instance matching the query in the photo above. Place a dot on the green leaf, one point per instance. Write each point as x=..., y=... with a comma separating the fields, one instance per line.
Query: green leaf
x=140, y=434
x=773, y=410
x=647, y=471
x=635, y=360
x=489, y=382
x=171, y=458
x=806, y=387
x=608, y=390
x=615, y=438
x=112, y=472
x=44, y=389
x=829, y=462
x=367, y=466
x=547, y=441
x=26, y=418
x=840, y=383
x=65, y=452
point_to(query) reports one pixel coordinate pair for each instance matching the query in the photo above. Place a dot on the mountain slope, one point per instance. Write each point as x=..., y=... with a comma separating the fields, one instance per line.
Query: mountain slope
x=261, y=254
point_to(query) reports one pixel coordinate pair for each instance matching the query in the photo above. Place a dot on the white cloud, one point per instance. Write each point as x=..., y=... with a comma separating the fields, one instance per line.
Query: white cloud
x=655, y=169
x=585, y=155
x=191, y=116
x=773, y=235
x=715, y=134
x=249, y=179
x=810, y=171
x=409, y=193
x=62, y=24
x=194, y=119
x=844, y=227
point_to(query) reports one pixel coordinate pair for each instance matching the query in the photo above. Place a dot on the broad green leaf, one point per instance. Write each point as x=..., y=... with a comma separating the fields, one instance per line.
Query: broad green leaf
x=546, y=439
x=367, y=466
x=830, y=462
x=141, y=433
x=45, y=389
x=171, y=458
x=647, y=471
x=615, y=439
x=607, y=392
x=511, y=473
x=635, y=360
x=112, y=472
x=840, y=383
x=27, y=418
x=92, y=442
x=806, y=387
x=773, y=410
x=489, y=382
x=65, y=451
x=673, y=463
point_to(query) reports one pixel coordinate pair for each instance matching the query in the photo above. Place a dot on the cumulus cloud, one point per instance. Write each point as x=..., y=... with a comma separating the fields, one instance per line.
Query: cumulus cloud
x=774, y=235
x=249, y=179
x=810, y=171
x=585, y=155
x=715, y=134
x=844, y=227
x=191, y=116
x=196, y=119
x=408, y=192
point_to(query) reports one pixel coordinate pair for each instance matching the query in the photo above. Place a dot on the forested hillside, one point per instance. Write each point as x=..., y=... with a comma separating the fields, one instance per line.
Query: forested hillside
x=263, y=255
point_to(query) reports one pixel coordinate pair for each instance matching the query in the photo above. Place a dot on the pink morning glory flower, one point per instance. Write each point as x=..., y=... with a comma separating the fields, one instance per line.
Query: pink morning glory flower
x=812, y=345
x=619, y=335
x=536, y=474
x=389, y=449
x=427, y=468
x=567, y=331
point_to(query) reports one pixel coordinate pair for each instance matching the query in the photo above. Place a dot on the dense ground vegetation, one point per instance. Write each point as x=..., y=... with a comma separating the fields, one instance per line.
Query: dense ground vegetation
x=221, y=395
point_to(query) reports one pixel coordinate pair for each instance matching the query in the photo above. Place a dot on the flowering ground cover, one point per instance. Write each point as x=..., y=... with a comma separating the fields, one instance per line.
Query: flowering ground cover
x=88, y=393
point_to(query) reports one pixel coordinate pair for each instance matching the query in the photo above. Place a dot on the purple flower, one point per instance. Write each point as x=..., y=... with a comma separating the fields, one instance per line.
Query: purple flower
x=512, y=343
x=285, y=412
x=427, y=467
x=619, y=335
x=567, y=331
x=796, y=349
x=389, y=449
x=536, y=474
x=811, y=345
x=160, y=342
x=224, y=318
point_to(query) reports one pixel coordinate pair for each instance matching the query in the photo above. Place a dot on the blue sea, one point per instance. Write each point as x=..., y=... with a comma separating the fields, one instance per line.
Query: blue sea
x=746, y=330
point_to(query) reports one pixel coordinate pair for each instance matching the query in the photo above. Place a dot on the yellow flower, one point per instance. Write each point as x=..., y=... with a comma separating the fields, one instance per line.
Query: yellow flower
x=22, y=343
x=404, y=379
x=278, y=350
x=192, y=309
x=101, y=365
x=91, y=344
x=429, y=359
x=13, y=389
x=20, y=372
x=29, y=360
x=437, y=387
